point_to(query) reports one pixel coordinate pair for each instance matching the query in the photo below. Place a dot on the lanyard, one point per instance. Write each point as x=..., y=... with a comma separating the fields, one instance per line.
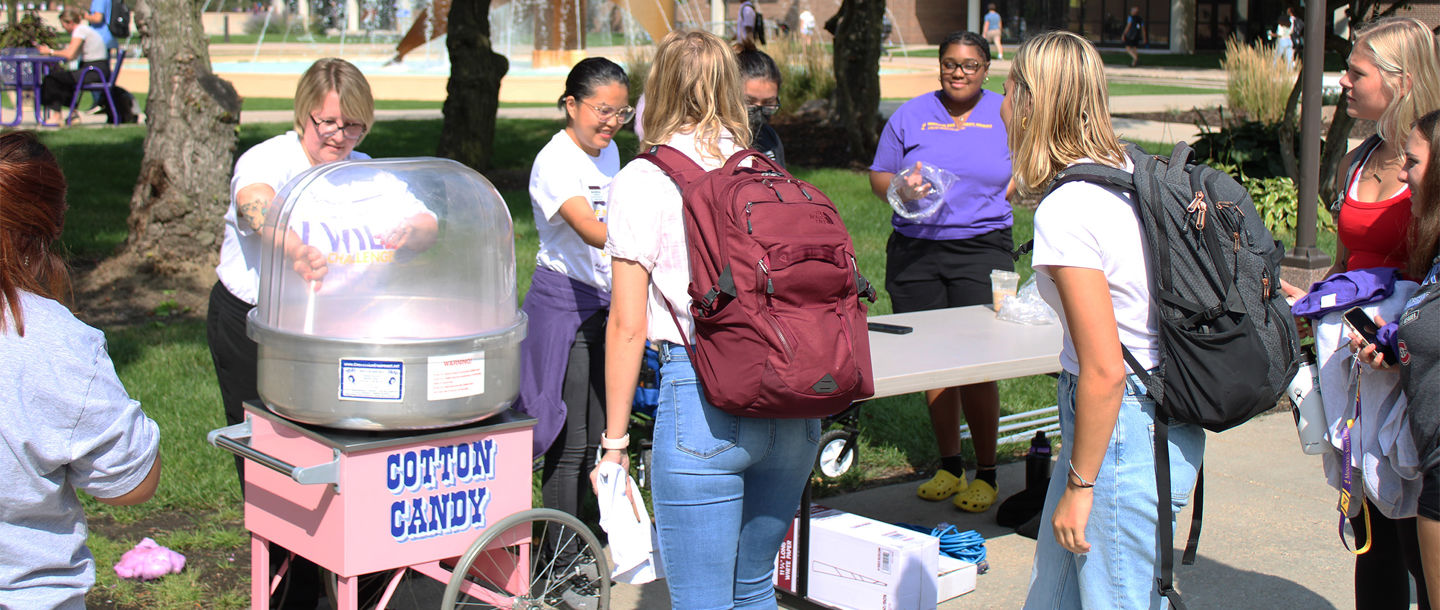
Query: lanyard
x=1347, y=470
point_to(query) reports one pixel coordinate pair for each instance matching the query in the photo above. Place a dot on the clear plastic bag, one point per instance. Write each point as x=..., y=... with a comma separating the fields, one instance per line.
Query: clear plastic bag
x=1027, y=307
x=932, y=181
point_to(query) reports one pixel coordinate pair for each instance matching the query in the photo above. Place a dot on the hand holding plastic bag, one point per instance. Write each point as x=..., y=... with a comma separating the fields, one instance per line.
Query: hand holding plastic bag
x=917, y=192
x=1026, y=307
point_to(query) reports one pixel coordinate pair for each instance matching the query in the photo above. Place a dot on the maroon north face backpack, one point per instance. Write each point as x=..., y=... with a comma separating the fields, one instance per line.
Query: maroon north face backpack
x=774, y=289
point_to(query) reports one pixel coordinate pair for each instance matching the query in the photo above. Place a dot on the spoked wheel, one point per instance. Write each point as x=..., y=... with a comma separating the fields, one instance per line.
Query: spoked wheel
x=535, y=559
x=837, y=453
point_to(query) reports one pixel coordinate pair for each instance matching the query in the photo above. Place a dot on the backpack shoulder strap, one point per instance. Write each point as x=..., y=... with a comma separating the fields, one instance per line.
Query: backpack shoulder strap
x=1360, y=154
x=1093, y=173
x=680, y=168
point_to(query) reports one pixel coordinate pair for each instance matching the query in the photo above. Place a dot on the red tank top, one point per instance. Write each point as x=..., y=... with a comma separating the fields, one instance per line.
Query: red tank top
x=1375, y=232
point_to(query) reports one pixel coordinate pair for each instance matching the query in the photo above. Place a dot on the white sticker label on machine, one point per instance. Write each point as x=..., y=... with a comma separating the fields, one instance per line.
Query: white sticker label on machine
x=455, y=376
x=372, y=380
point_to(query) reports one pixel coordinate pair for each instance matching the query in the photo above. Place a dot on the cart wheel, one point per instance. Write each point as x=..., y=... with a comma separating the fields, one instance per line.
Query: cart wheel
x=645, y=470
x=837, y=454
x=564, y=565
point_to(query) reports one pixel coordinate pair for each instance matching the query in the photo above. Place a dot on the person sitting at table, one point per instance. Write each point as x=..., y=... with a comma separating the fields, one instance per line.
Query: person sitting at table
x=86, y=44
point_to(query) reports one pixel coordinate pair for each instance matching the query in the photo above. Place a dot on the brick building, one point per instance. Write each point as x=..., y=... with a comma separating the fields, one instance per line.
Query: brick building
x=1176, y=25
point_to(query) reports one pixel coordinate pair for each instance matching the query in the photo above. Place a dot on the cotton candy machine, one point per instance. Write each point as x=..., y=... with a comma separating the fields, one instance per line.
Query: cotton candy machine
x=413, y=324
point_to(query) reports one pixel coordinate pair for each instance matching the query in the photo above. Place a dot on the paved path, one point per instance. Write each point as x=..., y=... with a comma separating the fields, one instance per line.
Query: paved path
x=1269, y=539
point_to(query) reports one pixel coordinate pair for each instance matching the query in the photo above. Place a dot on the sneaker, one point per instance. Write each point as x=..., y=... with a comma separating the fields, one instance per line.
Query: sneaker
x=96, y=110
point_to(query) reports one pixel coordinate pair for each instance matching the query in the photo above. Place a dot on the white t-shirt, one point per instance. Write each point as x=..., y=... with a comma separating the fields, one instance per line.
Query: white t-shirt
x=1094, y=227
x=349, y=222
x=274, y=162
x=646, y=226
x=563, y=171
x=92, y=47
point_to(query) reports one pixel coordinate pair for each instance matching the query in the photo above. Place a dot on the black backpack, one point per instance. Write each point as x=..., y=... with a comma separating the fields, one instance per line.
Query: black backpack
x=1228, y=344
x=119, y=19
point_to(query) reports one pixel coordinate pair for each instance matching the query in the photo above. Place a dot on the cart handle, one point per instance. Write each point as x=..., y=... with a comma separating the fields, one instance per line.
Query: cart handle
x=236, y=439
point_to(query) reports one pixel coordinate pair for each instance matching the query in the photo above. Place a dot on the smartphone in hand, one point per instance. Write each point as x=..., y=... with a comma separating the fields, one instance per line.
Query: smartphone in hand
x=1365, y=326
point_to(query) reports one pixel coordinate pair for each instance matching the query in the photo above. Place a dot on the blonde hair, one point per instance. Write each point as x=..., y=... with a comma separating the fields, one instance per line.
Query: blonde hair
x=342, y=77
x=694, y=83
x=72, y=14
x=1060, y=110
x=1401, y=48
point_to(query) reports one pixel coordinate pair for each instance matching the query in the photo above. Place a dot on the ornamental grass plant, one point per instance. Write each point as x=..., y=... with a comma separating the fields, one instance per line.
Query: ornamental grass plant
x=1257, y=80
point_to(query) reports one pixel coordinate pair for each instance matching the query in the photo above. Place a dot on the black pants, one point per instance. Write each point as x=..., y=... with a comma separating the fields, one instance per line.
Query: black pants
x=565, y=480
x=1382, y=575
x=235, y=357
x=58, y=88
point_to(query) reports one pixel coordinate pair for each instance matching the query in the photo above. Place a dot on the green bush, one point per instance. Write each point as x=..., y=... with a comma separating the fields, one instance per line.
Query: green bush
x=1277, y=201
x=28, y=31
x=1257, y=82
x=637, y=66
x=1252, y=147
x=806, y=70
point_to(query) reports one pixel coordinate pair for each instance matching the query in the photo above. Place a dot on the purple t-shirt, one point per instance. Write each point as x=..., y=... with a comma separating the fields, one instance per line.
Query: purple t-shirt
x=976, y=152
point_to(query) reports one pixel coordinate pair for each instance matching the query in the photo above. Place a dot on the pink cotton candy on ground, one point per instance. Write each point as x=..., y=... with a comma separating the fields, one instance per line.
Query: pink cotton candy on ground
x=149, y=561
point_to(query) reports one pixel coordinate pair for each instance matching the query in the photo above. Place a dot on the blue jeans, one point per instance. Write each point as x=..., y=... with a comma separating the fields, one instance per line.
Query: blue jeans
x=726, y=489
x=1123, y=562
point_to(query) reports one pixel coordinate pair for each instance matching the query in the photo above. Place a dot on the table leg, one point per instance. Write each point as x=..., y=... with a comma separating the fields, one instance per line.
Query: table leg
x=40, y=109
x=347, y=592
x=259, y=572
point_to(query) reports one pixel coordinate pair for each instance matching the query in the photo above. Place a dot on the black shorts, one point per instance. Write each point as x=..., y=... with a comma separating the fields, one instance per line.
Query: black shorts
x=924, y=274
x=1429, y=507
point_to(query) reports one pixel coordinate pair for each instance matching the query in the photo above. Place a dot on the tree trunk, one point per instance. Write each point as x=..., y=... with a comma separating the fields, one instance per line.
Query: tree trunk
x=184, y=184
x=857, y=74
x=473, y=93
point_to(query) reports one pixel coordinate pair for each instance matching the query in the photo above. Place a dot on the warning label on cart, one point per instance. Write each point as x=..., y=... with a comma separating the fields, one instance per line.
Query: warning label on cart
x=455, y=376
x=372, y=380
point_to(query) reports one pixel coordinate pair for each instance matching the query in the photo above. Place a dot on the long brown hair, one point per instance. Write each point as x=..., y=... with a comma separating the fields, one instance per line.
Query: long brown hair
x=1425, y=229
x=32, y=213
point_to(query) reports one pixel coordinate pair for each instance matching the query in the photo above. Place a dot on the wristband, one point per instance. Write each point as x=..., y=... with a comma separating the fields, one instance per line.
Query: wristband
x=614, y=443
x=1082, y=483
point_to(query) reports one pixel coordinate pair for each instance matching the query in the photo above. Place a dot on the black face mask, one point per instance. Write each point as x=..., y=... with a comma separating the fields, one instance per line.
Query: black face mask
x=758, y=119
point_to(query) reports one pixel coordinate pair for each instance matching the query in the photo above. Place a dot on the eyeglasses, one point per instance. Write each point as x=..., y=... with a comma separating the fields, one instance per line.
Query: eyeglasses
x=605, y=113
x=327, y=128
x=766, y=107
x=969, y=66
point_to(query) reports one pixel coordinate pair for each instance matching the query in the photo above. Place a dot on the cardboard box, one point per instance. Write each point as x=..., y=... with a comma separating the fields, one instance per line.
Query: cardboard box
x=858, y=563
x=956, y=578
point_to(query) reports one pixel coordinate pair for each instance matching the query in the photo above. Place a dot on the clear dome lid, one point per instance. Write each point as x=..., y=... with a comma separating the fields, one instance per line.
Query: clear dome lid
x=393, y=249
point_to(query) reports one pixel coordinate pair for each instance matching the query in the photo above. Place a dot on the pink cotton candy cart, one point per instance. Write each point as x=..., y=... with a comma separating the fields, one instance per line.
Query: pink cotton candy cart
x=383, y=441
x=453, y=505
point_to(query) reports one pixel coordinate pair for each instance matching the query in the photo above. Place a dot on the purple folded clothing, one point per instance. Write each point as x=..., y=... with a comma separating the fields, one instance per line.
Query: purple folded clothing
x=1345, y=290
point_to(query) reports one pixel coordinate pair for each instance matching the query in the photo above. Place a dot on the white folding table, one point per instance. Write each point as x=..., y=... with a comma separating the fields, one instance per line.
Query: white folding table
x=947, y=348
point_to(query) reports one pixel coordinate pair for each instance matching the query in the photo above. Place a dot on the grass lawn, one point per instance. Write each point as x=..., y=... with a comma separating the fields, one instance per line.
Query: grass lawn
x=167, y=365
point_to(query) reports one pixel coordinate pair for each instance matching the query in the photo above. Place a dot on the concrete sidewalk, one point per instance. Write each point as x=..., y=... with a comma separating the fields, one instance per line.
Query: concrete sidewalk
x=1269, y=538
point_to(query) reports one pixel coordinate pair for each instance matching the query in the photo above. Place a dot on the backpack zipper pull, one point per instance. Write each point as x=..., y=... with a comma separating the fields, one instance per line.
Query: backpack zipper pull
x=749, y=226
x=1198, y=207
x=1265, y=290
x=769, y=285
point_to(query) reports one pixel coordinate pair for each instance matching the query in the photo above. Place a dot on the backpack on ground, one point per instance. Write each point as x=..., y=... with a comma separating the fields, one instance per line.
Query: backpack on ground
x=119, y=19
x=775, y=291
x=1228, y=344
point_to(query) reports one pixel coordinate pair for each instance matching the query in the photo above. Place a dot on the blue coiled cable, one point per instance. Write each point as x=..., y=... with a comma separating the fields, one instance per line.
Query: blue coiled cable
x=967, y=546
